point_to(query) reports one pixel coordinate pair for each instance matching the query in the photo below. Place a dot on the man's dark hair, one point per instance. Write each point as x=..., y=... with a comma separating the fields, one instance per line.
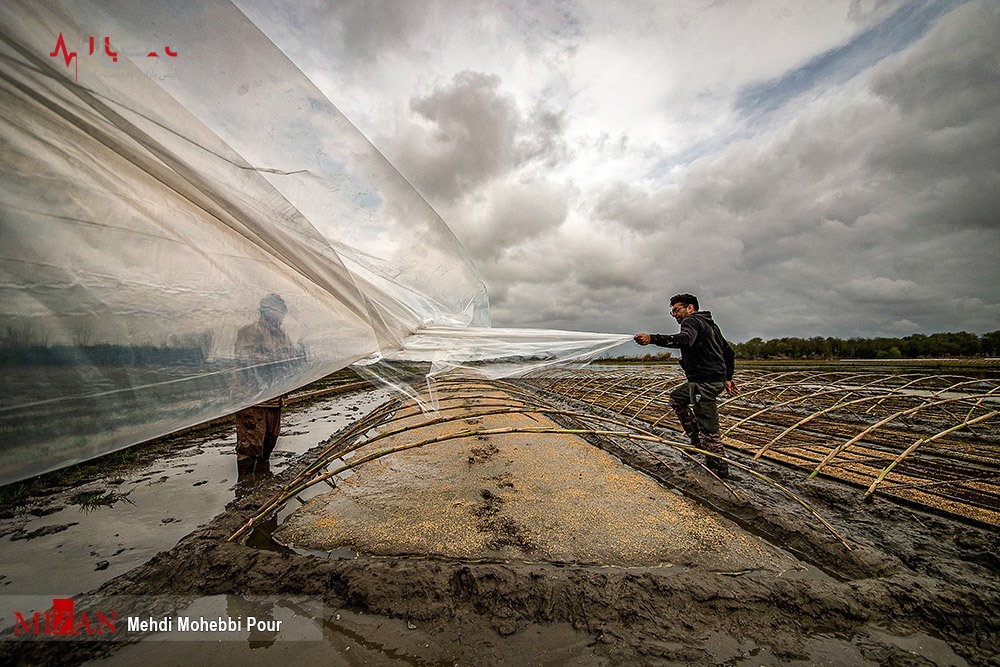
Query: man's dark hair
x=274, y=302
x=686, y=299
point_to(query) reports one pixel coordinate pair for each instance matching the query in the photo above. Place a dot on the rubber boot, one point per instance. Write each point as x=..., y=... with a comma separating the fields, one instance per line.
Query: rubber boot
x=712, y=442
x=688, y=421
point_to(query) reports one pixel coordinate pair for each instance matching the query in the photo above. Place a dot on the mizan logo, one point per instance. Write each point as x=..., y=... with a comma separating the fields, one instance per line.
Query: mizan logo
x=63, y=621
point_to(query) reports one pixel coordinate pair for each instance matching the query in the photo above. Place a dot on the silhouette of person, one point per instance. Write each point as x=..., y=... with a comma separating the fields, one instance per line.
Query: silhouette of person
x=262, y=348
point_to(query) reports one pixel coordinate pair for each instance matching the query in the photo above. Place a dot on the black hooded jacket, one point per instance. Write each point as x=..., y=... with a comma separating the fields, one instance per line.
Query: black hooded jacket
x=705, y=354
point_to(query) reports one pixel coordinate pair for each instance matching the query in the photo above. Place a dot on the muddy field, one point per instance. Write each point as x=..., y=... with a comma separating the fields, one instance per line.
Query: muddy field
x=482, y=557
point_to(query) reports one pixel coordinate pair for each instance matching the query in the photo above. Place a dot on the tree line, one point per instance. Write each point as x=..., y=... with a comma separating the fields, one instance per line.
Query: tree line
x=916, y=346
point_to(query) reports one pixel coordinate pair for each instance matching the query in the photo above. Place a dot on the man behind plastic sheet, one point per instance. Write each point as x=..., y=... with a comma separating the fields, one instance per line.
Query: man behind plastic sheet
x=708, y=362
x=259, y=347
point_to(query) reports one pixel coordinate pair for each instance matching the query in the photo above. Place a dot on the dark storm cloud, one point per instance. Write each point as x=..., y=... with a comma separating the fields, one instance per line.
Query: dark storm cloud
x=635, y=209
x=350, y=34
x=468, y=135
x=947, y=138
x=471, y=131
x=518, y=213
x=886, y=37
x=874, y=212
x=370, y=27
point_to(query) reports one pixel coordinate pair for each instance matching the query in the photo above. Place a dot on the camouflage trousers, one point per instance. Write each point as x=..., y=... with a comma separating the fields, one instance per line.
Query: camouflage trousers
x=697, y=407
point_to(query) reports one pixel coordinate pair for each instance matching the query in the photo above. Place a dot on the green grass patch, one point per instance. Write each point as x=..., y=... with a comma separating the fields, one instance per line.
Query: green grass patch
x=14, y=495
x=88, y=501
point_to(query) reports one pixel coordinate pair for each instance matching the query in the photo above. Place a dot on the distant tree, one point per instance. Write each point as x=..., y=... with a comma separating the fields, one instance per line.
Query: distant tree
x=961, y=344
x=750, y=349
x=989, y=344
x=23, y=335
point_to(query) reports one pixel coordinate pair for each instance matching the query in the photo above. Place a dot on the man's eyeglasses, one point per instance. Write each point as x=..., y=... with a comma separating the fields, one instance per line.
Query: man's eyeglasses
x=676, y=309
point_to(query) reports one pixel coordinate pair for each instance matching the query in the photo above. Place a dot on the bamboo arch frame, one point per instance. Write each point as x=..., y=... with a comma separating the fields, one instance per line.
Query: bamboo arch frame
x=891, y=418
x=920, y=441
x=858, y=394
x=389, y=413
x=635, y=395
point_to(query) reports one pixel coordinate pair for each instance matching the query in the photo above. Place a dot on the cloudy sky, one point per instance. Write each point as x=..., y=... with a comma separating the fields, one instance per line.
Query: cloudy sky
x=823, y=167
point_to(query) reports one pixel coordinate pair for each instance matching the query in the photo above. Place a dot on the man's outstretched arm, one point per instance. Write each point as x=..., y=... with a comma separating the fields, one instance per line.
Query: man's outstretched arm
x=686, y=336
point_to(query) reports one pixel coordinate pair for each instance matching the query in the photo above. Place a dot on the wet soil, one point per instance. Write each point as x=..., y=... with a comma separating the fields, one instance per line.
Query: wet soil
x=912, y=589
x=541, y=496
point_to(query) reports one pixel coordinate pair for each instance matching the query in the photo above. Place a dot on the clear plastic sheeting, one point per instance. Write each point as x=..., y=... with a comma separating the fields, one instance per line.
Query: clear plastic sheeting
x=501, y=353
x=188, y=233
x=490, y=353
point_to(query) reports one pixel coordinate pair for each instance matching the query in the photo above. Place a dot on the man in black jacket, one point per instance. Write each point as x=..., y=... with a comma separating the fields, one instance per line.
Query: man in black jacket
x=708, y=363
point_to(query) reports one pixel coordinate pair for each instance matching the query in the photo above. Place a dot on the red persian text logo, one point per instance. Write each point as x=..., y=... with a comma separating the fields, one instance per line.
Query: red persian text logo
x=61, y=50
x=62, y=621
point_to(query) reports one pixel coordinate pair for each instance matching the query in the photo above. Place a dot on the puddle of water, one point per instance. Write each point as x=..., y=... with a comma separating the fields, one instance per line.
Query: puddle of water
x=832, y=648
x=166, y=501
x=930, y=648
